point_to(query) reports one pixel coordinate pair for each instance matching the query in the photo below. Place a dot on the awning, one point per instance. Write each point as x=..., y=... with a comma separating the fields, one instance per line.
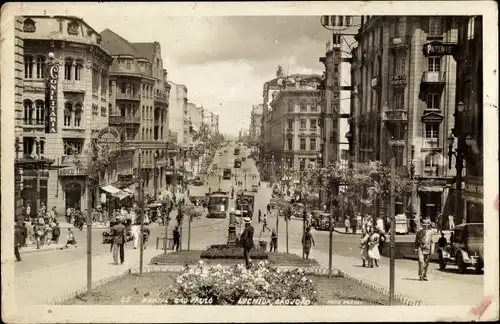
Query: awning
x=130, y=189
x=122, y=195
x=110, y=189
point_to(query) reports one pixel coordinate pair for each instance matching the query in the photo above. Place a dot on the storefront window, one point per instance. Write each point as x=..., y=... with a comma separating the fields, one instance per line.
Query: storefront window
x=474, y=212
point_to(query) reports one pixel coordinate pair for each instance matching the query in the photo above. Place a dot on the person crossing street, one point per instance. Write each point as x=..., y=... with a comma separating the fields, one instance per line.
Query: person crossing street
x=423, y=242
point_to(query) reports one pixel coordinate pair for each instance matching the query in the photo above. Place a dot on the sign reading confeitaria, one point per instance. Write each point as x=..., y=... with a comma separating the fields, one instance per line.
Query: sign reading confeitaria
x=52, y=98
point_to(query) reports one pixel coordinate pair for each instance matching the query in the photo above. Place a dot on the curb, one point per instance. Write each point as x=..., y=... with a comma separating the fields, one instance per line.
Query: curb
x=318, y=271
x=40, y=250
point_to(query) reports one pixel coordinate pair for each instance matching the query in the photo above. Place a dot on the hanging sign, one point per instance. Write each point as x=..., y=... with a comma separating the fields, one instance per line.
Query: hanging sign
x=52, y=98
x=439, y=49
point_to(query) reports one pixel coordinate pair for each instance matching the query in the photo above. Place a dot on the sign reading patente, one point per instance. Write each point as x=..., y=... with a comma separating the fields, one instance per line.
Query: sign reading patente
x=439, y=49
x=52, y=98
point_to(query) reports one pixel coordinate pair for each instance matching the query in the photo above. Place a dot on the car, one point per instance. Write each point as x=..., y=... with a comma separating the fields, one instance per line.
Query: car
x=255, y=188
x=220, y=154
x=197, y=181
x=466, y=249
x=225, y=151
x=243, y=159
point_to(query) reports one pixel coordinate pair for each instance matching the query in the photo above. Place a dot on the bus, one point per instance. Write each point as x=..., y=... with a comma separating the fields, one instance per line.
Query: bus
x=226, y=175
x=236, y=151
x=237, y=163
x=218, y=205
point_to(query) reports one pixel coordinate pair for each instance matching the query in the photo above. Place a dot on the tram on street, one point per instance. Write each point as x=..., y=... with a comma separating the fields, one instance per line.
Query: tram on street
x=226, y=175
x=236, y=151
x=218, y=204
x=237, y=163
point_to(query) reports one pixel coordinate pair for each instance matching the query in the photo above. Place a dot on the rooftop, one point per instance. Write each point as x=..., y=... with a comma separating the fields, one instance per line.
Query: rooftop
x=117, y=45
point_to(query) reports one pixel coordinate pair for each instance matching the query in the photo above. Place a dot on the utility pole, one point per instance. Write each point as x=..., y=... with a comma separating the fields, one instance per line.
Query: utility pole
x=286, y=219
x=393, y=233
x=141, y=202
x=330, y=238
x=277, y=226
x=166, y=221
x=89, y=220
x=303, y=232
x=155, y=175
x=189, y=230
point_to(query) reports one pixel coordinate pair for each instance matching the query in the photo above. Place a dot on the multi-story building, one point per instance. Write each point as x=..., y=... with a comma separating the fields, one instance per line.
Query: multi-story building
x=293, y=121
x=139, y=104
x=207, y=120
x=469, y=123
x=178, y=113
x=255, y=122
x=191, y=110
x=403, y=100
x=195, y=117
x=62, y=124
x=214, y=124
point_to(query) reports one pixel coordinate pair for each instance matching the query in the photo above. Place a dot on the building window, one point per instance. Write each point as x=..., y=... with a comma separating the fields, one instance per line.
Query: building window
x=110, y=109
x=290, y=106
x=123, y=88
x=41, y=147
x=28, y=67
x=399, y=65
x=432, y=131
x=39, y=112
x=435, y=27
x=28, y=145
x=73, y=146
x=433, y=101
x=68, y=108
x=78, y=114
x=432, y=164
x=129, y=65
x=103, y=111
x=28, y=112
x=68, y=65
x=78, y=70
x=290, y=124
x=142, y=135
x=470, y=28
x=399, y=100
x=312, y=144
x=303, y=123
x=40, y=67
x=303, y=105
x=434, y=64
x=302, y=144
x=313, y=124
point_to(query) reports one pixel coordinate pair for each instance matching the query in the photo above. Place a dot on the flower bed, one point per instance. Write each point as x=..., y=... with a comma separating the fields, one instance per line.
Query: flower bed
x=231, y=252
x=236, y=285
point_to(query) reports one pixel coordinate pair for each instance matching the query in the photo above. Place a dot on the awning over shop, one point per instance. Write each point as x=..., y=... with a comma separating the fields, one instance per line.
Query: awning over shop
x=130, y=189
x=110, y=189
x=121, y=195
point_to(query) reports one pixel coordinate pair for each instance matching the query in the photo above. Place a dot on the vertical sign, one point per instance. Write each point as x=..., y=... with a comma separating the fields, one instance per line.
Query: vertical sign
x=52, y=98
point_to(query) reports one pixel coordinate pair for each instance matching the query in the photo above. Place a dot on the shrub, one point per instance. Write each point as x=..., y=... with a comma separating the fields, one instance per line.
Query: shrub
x=231, y=286
x=231, y=252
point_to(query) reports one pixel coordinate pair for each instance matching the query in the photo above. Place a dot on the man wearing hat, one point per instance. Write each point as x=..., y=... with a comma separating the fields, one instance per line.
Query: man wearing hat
x=423, y=242
x=247, y=239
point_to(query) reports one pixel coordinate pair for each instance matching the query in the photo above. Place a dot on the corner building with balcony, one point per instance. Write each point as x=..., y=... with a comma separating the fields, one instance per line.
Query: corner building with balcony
x=63, y=126
x=138, y=108
x=403, y=100
x=292, y=122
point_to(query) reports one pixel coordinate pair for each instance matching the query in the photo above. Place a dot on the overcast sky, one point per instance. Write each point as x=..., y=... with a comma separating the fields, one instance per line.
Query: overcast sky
x=224, y=61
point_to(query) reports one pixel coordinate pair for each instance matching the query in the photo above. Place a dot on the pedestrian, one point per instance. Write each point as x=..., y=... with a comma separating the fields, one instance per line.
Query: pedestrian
x=307, y=240
x=177, y=237
x=423, y=242
x=56, y=232
x=28, y=210
x=373, y=247
x=119, y=240
x=135, y=234
x=268, y=208
x=347, y=224
x=364, y=246
x=53, y=214
x=451, y=222
x=354, y=225
x=18, y=238
x=25, y=233
x=264, y=224
x=274, y=240
x=48, y=234
x=70, y=239
x=260, y=215
x=442, y=243
x=380, y=224
x=68, y=215
x=145, y=236
x=246, y=240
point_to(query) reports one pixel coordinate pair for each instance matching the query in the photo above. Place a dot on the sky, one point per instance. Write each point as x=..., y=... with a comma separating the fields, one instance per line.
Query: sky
x=225, y=60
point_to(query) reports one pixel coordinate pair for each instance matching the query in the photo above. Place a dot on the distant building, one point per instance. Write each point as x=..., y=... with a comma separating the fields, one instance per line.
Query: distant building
x=77, y=109
x=256, y=122
x=178, y=113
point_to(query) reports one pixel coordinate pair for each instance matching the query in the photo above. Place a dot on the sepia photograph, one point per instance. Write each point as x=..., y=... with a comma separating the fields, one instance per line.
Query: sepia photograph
x=191, y=156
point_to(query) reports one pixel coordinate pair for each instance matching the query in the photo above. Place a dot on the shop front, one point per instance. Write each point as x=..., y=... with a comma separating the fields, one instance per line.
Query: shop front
x=34, y=191
x=430, y=199
x=473, y=200
x=73, y=183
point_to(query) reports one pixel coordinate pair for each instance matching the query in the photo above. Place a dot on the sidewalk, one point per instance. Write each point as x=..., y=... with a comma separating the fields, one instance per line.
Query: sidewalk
x=31, y=248
x=43, y=286
x=436, y=291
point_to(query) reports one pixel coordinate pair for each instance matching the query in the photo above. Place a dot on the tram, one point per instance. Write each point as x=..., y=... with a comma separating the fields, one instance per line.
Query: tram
x=226, y=175
x=218, y=205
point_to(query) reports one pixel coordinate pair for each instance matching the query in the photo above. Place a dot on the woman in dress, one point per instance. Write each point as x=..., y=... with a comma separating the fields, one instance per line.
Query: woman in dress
x=365, y=237
x=373, y=251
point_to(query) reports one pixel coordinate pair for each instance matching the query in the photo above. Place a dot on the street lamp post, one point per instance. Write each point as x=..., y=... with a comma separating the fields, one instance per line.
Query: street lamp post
x=412, y=175
x=155, y=175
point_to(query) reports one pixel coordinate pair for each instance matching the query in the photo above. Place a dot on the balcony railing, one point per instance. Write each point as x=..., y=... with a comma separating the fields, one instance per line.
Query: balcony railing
x=395, y=115
x=434, y=77
x=128, y=96
x=161, y=98
x=70, y=159
x=120, y=120
x=33, y=123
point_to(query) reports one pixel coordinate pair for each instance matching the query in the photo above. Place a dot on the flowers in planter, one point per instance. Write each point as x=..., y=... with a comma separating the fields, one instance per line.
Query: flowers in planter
x=237, y=285
x=231, y=252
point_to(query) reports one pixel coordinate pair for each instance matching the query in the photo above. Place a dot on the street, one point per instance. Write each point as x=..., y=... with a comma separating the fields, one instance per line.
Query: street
x=58, y=271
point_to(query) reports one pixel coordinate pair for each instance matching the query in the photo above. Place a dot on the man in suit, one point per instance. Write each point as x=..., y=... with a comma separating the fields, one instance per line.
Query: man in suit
x=247, y=240
x=119, y=238
x=423, y=242
x=18, y=240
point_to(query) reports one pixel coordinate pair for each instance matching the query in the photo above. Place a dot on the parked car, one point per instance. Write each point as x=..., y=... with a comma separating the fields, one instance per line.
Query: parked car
x=197, y=181
x=466, y=249
x=322, y=223
x=255, y=188
x=220, y=154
